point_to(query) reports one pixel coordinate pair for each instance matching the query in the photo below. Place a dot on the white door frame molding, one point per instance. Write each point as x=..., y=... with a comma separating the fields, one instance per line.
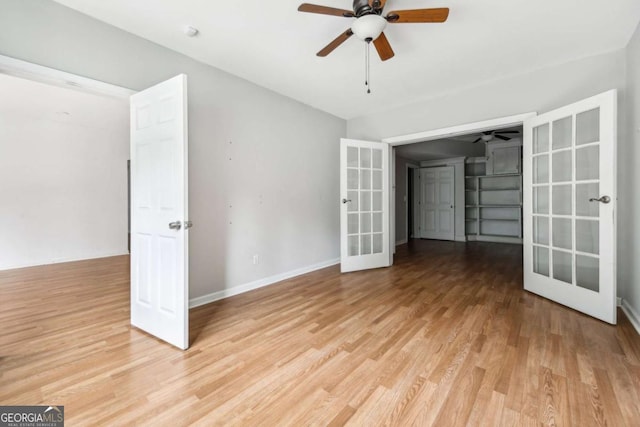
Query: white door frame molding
x=457, y=130
x=39, y=73
x=462, y=129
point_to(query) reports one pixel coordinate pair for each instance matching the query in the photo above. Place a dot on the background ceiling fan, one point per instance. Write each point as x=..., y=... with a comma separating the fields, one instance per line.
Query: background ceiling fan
x=370, y=24
x=492, y=134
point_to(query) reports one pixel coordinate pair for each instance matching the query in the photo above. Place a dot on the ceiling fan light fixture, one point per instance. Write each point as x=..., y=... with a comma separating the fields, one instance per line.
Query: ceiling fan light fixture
x=487, y=138
x=369, y=27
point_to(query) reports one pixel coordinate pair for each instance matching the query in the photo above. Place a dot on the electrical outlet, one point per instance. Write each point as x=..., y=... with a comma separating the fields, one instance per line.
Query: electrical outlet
x=256, y=259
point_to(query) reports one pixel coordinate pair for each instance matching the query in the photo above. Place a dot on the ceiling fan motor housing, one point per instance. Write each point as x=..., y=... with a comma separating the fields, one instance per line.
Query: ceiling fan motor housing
x=362, y=7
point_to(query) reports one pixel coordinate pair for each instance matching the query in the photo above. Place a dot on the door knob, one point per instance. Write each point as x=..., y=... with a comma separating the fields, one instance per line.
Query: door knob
x=603, y=199
x=176, y=225
x=346, y=200
x=188, y=224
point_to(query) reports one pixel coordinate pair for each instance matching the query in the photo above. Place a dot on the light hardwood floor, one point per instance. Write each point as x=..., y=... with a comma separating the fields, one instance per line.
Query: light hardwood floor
x=445, y=337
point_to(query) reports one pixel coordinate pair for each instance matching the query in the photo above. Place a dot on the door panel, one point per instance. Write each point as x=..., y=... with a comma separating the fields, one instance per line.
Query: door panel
x=569, y=206
x=159, y=254
x=437, y=216
x=365, y=214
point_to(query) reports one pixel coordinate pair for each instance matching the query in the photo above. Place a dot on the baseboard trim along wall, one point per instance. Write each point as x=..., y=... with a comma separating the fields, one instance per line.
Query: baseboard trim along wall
x=401, y=242
x=261, y=283
x=631, y=314
x=61, y=260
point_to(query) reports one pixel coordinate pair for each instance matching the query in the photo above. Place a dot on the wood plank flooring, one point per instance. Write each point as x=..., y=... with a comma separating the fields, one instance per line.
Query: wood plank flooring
x=445, y=337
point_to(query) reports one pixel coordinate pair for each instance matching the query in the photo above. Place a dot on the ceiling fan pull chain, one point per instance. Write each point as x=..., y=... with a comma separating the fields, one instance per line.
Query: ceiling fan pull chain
x=368, y=66
x=366, y=75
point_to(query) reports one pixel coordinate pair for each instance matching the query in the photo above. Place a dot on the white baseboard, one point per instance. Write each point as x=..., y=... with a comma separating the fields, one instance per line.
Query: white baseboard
x=61, y=260
x=632, y=315
x=401, y=242
x=236, y=290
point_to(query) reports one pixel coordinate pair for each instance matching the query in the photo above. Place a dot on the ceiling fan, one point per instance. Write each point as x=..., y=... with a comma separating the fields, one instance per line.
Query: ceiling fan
x=370, y=24
x=491, y=134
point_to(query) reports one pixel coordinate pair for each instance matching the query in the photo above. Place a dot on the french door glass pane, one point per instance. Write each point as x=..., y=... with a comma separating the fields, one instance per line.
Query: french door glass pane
x=365, y=157
x=365, y=201
x=541, y=200
x=377, y=222
x=365, y=223
x=562, y=166
x=352, y=206
x=541, y=169
x=541, y=139
x=584, y=192
x=562, y=233
x=377, y=158
x=366, y=244
x=541, y=230
x=562, y=266
x=352, y=157
x=588, y=162
x=354, y=245
x=377, y=243
x=588, y=272
x=562, y=133
x=562, y=199
x=588, y=236
x=377, y=201
x=352, y=179
x=377, y=180
x=541, y=260
x=365, y=179
x=352, y=224
x=588, y=127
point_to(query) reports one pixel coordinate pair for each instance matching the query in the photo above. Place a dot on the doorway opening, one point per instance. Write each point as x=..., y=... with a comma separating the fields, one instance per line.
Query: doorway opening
x=63, y=169
x=461, y=187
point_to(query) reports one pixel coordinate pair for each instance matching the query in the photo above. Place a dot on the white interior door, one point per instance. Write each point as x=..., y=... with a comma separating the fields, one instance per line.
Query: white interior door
x=365, y=205
x=159, y=226
x=569, y=206
x=437, y=201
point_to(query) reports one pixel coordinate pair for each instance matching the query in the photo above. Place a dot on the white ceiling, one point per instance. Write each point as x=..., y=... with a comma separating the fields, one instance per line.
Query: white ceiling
x=272, y=44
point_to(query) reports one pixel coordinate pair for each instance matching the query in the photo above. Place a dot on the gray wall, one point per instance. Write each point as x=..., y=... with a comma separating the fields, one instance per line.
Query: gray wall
x=263, y=169
x=628, y=183
x=63, y=174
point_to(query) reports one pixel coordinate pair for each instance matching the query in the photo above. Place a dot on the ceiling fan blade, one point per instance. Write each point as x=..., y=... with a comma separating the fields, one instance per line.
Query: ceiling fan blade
x=418, y=15
x=325, y=10
x=477, y=140
x=505, y=131
x=504, y=138
x=383, y=47
x=335, y=43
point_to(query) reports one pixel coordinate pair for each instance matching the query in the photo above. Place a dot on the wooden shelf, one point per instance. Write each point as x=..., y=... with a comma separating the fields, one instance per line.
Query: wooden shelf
x=501, y=202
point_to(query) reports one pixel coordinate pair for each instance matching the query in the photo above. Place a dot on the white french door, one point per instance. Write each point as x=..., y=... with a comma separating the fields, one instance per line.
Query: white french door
x=437, y=199
x=365, y=205
x=569, y=158
x=159, y=225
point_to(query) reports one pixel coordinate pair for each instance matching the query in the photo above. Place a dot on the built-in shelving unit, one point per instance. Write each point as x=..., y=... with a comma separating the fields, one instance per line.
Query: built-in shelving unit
x=493, y=203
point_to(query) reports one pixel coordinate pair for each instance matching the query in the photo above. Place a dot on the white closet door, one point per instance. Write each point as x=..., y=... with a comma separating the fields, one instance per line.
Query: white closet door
x=437, y=201
x=569, y=206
